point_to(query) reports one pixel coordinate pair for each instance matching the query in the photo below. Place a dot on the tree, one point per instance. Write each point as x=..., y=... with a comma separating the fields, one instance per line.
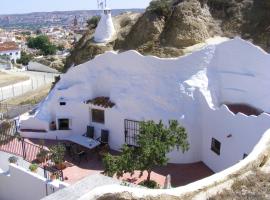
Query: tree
x=25, y=58
x=93, y=22
x=49, y=49
x=38, y=42
x=154, y=141
x=42, y=43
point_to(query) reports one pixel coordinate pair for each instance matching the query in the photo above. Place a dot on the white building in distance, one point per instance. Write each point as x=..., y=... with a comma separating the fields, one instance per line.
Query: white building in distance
x=105, y=30
x=10, y=49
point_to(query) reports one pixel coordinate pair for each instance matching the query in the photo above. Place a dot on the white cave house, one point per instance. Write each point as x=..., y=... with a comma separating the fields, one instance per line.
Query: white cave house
x=220, y=94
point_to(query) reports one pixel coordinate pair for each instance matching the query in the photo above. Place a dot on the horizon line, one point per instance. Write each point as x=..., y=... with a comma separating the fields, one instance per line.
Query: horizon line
x=33, y=12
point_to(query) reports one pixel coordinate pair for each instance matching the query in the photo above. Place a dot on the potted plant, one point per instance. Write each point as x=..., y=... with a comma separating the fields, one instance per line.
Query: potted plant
x=33, y=167
x=13, y=159
x=52, y=176
x=42, y=156
x=57, y=155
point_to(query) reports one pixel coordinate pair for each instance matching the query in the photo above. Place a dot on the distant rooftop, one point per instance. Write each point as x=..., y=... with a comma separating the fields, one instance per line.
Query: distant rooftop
x=8, y=46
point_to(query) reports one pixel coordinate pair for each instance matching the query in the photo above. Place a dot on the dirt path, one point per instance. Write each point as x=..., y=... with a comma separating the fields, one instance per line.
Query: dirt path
x=9, y=79
x=31, y=97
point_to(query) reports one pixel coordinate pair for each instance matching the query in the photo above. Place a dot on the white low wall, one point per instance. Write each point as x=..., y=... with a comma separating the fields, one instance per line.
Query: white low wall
x=252, y=161
x=18, y=183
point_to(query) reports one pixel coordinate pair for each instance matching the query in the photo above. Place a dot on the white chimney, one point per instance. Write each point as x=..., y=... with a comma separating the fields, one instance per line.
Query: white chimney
x=105, y=30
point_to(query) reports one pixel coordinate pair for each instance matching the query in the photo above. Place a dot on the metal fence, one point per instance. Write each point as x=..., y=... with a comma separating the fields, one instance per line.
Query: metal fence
x=21, y=88
x=10, y=142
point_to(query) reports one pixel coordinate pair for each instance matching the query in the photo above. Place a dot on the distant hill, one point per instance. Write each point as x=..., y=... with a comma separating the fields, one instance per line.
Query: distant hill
x=41, y=19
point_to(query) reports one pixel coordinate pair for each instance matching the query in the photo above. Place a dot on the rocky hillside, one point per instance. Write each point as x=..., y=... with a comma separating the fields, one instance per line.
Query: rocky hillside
x=168, y=26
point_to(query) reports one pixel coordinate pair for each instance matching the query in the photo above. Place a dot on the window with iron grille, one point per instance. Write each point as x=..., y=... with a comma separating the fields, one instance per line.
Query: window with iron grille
x=215, y=146
x=132, y=129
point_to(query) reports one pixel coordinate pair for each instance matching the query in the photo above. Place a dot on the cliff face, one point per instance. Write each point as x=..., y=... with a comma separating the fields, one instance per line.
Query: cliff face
x=168, y=26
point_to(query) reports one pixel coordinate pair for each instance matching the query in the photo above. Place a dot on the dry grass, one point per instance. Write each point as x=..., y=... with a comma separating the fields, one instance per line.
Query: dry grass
x=254, y=186
x=31, y=97
x=8, y=79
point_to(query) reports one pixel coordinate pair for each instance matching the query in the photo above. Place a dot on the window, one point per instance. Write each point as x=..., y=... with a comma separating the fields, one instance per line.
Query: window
x=10, y=54
x=63, y=103
x=98, y=116
x=63, y=124
x=17, y=53
x=215, y=146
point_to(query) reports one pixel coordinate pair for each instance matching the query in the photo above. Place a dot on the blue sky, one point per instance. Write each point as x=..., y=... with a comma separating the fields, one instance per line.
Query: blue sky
x=25, y=6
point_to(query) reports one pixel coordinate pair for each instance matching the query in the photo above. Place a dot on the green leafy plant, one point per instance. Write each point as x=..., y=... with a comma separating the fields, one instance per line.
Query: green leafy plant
x=25, y=58
x=42, y=155
x=93, y=22
x=42, y=43
x=57, y=154
x=33, y=167
x=154, y=142
x=13, y=159
x=149, y=184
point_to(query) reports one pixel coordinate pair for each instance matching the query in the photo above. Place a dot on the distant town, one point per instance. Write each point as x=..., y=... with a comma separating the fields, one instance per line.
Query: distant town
x=36, y=20
x=45, y=38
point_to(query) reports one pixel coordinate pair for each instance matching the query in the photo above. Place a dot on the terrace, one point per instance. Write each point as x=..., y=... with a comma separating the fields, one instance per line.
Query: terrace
x=91, y=164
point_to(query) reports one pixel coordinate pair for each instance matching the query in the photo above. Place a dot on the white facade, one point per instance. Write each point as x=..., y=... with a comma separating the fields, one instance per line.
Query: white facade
x=105, y=30
x=191, y=89
x=13, y=185
x=13, y=54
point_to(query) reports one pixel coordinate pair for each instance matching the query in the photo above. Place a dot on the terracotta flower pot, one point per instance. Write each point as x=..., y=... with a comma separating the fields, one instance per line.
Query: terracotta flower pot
x=52, y=177
x=60, y=166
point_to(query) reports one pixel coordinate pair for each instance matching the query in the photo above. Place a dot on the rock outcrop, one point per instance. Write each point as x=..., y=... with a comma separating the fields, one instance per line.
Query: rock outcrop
x=187, y=22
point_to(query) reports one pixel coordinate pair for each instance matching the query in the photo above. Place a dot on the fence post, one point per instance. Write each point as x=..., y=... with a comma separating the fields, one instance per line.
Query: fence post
x=23, y=149
x=13, y=91
x=2, y=93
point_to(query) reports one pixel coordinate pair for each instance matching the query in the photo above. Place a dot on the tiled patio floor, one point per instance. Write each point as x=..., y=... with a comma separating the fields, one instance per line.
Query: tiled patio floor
x=181, y=174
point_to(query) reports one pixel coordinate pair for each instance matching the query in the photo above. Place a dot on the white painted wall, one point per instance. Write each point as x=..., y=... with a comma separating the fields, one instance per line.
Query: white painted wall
x=13, y=54
x=105, y=30
x=18, y=183
x=189, y=89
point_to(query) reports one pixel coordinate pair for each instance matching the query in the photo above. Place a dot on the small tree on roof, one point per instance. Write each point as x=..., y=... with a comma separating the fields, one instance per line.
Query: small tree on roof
x=154, y=141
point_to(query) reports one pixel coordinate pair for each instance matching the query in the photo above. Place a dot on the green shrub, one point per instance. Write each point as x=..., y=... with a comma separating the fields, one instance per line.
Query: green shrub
x=33, y=167
x=25, y=58
x=57, y=153
x=13, y=159
x=93, y=22
x=42, y=43
x=149, y=184
x=161, y=8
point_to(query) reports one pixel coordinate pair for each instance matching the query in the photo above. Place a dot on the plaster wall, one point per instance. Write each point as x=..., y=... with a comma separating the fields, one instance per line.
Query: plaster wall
x=18, y=183
x=189, y=89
